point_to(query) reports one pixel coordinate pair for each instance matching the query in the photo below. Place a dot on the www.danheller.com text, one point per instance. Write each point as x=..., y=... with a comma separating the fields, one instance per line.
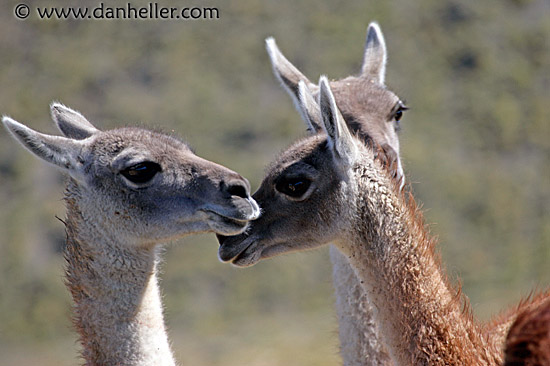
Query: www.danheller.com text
x=152, y=10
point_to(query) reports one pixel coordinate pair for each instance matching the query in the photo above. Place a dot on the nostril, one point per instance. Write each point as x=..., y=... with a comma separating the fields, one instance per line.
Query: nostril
x=237, y=189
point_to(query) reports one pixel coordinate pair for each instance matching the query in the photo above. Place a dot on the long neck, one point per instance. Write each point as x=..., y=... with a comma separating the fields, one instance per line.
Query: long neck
x=117, y=305
x=360, y=341
x=420, y=315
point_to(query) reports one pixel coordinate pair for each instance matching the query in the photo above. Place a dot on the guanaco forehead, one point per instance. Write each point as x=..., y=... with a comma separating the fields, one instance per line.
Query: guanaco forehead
x=308, y=149
x=313, y=150
x=365, y=102
x=113, y=142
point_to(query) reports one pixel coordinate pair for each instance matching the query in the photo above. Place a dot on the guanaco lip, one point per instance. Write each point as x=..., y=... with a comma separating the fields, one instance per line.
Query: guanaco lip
x=231, y=219
x=229, y=252
x=240, y=259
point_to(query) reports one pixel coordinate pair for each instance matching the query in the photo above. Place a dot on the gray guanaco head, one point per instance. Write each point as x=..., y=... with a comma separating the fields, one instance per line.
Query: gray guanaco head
x=308, y=194
x=140, y=185
x=370, y=109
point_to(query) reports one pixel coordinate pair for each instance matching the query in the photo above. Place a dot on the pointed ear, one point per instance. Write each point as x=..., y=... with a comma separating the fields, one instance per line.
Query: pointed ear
x=374, y=60
x=339, y=137
x=60, y=151
x=287, y=73
x=71, y=123
x=309, y=109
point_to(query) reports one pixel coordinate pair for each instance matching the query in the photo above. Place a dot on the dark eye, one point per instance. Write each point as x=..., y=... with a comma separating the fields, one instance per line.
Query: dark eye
x=293, y=187
x=398, y=114
x=141, y=173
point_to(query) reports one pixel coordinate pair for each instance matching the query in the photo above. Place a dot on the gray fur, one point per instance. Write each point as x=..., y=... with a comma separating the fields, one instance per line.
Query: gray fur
x=116, y=223
x=338, y=135
x=375, y=57
x=366, y=104
x=71, y=123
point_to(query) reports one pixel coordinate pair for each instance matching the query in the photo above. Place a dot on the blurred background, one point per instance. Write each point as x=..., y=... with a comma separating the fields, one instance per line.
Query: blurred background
x=475, y=145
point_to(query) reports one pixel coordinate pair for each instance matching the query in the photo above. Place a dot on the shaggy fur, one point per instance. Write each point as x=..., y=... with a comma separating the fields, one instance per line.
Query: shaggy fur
x=115, y=223
x=352, y=201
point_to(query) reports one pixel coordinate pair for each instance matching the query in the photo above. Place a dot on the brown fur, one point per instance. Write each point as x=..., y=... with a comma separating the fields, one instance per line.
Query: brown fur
x=528, y=341
x=498, y=327
x=435, y=316
x=353, y=201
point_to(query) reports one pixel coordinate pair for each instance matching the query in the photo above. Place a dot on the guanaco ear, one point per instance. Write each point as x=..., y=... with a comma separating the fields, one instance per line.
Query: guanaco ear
x=287, y=73
x=71, y=123
x=340, y=140
x=60, y=151
x=309, y=109
x=374, y=60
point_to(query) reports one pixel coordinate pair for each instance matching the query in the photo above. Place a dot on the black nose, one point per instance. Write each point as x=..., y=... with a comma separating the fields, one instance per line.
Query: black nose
x=236, y=188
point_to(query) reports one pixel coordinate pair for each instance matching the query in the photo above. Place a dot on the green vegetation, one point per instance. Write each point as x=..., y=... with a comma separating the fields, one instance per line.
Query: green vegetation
x=476, y=147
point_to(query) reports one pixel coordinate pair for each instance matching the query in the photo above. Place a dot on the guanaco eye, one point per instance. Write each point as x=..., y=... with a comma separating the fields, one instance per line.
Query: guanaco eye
x=398, y=113
x=142, y=172
x=293, y=187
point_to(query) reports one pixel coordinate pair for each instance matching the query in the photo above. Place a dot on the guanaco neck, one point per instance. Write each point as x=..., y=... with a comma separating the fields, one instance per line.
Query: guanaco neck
x=360, y=341
x=420, y=315
x=117, y=305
